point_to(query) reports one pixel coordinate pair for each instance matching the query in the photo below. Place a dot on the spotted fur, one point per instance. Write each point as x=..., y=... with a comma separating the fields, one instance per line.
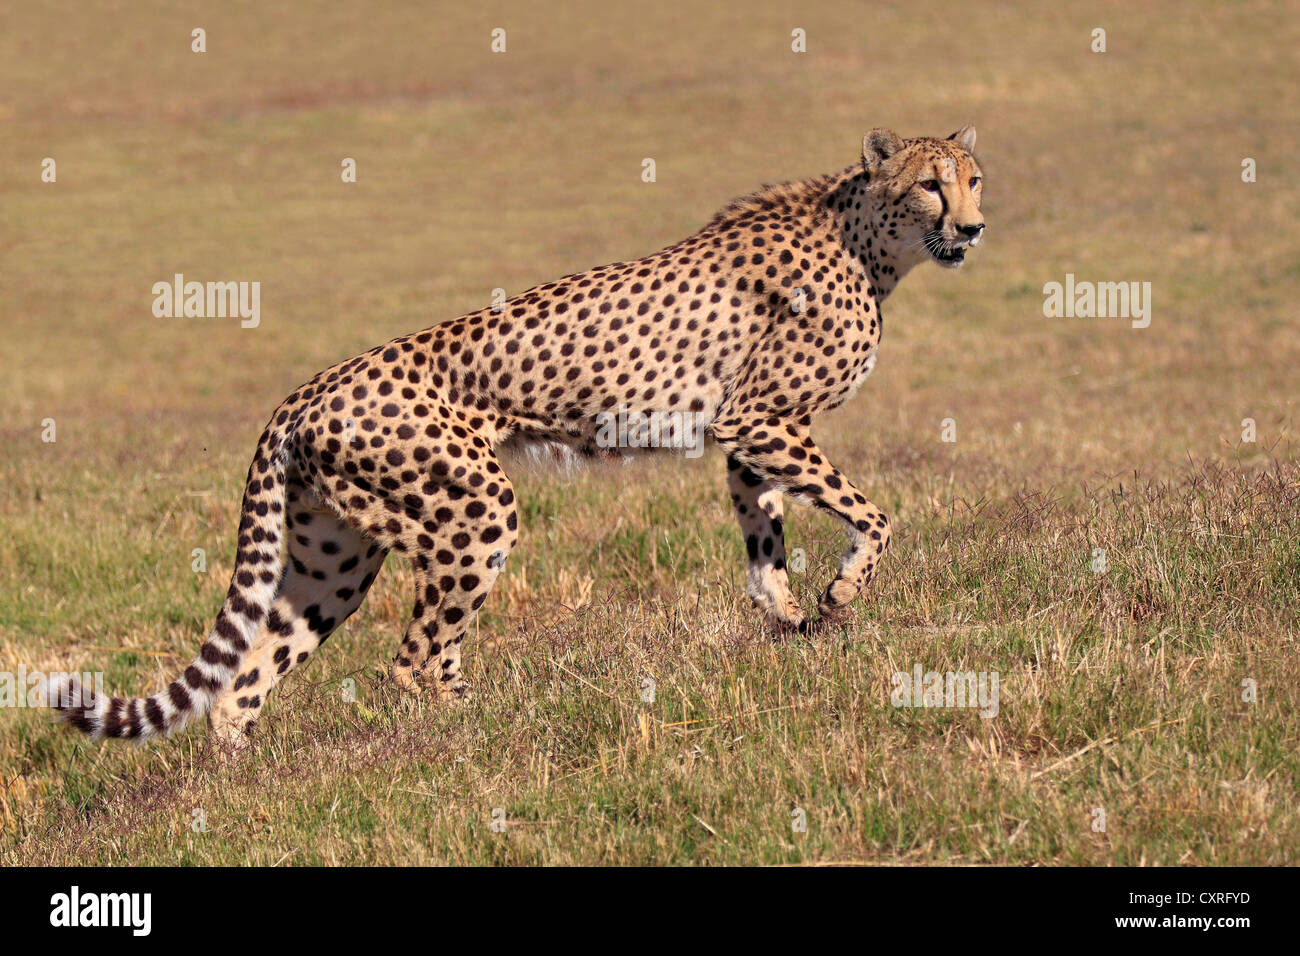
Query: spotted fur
x=396, y=450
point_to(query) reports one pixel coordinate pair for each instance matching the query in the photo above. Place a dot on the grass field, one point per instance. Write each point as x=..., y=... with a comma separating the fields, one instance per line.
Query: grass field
x=1121, y=690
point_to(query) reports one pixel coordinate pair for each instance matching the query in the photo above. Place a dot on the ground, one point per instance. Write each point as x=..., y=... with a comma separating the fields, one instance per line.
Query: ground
x=1121, y=690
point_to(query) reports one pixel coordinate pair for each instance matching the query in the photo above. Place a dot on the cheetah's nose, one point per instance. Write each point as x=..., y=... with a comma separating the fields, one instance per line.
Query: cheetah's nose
x=975, y=232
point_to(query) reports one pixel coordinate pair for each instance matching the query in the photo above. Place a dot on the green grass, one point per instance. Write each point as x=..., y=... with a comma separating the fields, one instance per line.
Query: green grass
x=1120, y=691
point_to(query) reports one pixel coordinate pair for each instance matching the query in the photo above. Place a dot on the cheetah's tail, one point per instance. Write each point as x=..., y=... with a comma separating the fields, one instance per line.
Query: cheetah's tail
x=253, y=586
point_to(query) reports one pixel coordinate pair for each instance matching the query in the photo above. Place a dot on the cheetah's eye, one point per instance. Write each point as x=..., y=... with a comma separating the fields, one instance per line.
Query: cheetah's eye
x=975, y=181
x=930, y=185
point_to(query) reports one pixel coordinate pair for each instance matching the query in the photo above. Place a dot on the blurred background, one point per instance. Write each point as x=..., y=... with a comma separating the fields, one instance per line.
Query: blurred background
x=478, y=170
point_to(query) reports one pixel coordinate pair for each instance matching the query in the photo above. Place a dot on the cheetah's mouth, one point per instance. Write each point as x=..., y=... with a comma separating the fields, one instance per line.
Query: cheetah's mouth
x=950, y=258
x=948, y=254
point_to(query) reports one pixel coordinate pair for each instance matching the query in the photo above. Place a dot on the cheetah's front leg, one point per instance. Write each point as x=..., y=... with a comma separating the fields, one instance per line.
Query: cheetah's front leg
x=784, y=455
x=758, y=509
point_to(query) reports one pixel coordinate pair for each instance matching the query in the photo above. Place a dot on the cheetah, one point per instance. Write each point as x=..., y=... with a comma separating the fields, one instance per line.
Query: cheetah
x=768, y=315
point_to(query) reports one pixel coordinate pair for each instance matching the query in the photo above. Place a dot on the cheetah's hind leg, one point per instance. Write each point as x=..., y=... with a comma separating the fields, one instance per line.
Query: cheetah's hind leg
x=457, y=523
x=453, y=579
x=331, y=567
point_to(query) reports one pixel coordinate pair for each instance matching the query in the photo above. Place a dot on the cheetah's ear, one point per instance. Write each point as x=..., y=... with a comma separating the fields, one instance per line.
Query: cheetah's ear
x=878, y=145
x=965, y=138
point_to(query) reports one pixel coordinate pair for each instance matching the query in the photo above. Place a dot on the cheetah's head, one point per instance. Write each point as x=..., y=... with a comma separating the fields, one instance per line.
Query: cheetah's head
x=929, y=192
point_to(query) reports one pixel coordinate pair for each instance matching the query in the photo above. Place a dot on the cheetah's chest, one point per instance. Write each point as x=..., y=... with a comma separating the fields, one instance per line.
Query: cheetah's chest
x=862, y=368
x=854, y=376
